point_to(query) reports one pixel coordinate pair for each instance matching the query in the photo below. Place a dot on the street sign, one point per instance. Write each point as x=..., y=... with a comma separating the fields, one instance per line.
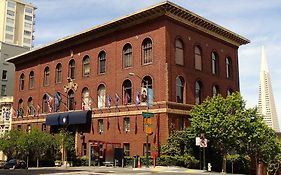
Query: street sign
x=203, y=143
x=147, y=114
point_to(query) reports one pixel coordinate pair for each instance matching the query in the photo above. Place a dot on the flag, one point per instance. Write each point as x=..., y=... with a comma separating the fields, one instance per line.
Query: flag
x=49, y=100
x=57, y=102
x=144, y=95
x=127, y=98
x=138, y=98
x=109, y=101
x=136, y=124
x=149, y=97
x=116, y=100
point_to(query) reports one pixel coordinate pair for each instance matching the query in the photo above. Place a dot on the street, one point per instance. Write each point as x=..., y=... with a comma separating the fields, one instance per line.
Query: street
x=100, y=171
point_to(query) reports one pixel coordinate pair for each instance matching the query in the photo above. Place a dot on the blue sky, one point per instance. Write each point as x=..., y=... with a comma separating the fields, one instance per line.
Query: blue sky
x=257, y=20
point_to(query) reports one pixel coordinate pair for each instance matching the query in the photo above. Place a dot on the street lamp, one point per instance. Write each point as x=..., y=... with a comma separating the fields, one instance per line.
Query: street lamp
x=146, y=145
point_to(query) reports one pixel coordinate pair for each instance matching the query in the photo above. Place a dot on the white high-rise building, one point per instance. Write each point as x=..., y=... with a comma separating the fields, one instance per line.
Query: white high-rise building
x=266, y=105
x=17, y=19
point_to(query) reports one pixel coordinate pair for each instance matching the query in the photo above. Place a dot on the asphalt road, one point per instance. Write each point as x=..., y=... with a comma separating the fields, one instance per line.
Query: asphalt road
x=100, y=171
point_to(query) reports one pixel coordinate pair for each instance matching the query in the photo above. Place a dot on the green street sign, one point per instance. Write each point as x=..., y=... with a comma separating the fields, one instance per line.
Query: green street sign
x=147, y=114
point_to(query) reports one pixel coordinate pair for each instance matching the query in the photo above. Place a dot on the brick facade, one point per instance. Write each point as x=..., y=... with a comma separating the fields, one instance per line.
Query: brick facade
x=163, y=31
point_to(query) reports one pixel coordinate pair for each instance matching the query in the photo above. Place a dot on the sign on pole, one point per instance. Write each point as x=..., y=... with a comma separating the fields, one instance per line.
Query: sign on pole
x=203, y=143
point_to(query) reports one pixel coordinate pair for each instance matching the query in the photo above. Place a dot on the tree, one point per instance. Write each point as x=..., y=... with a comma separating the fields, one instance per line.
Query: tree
x=8, y=143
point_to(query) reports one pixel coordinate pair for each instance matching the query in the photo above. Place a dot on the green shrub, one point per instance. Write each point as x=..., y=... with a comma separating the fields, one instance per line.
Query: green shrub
x=184, y=161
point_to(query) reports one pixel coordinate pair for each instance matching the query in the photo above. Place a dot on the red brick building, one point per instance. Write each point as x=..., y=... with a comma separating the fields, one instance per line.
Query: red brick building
x=91, y=83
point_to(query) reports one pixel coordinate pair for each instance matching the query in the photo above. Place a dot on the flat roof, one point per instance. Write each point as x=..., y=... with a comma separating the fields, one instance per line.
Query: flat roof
x=165, y=8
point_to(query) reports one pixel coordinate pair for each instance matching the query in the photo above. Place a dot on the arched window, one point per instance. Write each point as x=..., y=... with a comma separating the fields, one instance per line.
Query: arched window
x=228, y=64
x=229, y=91
x=21, y=84
x=86, y=66
x=46, y=76
x=127, y=56
x=214, y=63
x=102, y=62
x=179, y=52
x=46, y=103
x=147, y=51
x=86, y=100
x=58, y=78
x=71, y=69
x=31, y=80
x=198, y=58
x=215, y=90
x=127, y=92
x=70, y=100
x=180, y=89
x=31, y=109
x=198, y=92
x=20, y=111
x=101, y=96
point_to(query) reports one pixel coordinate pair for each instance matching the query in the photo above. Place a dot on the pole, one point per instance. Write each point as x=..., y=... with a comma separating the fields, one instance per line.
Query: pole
x=90, y=154
x=204, y=164
x=147, y=151
x=200, y=157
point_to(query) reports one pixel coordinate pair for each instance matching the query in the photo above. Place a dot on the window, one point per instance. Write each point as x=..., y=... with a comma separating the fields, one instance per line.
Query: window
x=21, y=84
x=215, y=90
x=9, y=37
x=102, y=62
x=27, y=25
x=27, y=33
x=198, y=92
x=148, y=150
x=10, y=13
x=127, y=56
x=127, y=92
x=101, y=96
x=31, y=80
x=44, y=127
x=28, y=10
x=71, y=69
x=31, y=109
x=11, y=4
x=46, y=76
x=84, y=149
x=179, y=52
x=20, y=110
x=9, y=28
x=126, y=147
x=126, y=124
x=10, y=21
x=180, y=89
x=4, y=75
x=58, y=78
x=100, y=126
x=26, y=40
x=46, y=104
x=147, y=51
x=86, y=66
x=86, y=101
x=228, y=67
x=3, y=90
x=214, y=63
x=70, y=100
x=28, y=18
x=198, y=58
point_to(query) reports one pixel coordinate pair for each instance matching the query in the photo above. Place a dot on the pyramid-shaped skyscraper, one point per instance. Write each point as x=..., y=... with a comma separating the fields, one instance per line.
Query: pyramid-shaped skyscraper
x=266, y=105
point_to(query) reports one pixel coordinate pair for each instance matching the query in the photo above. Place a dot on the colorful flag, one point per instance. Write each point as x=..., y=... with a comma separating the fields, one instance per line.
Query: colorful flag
x=149, y=97
x=144, y=95
x=138, y=98
x=116, y=100
x=57, y=101
x=109, y=101
x=49, y=100
x=127, y=98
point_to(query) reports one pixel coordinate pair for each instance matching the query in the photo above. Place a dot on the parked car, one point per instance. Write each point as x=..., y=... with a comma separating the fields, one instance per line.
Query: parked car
x=15, y=164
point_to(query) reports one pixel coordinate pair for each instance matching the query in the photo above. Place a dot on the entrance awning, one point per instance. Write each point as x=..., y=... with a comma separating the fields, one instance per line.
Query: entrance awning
x=69, y=118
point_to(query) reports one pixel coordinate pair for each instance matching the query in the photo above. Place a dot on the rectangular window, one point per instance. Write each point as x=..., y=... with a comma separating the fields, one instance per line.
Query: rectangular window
x=11, y=4
x=4, y=75
x=144, y=149
x=28, y=18
x=3, y=90
x=126, y=147
x=10, y=13
x=10, y=21
x=27, y=25
x=9, y=37
x=100, y=126
x=126, y=124
x=27, y=41
x=9, y=28
x=84, y=148
x=27, y=33
x=28, y=10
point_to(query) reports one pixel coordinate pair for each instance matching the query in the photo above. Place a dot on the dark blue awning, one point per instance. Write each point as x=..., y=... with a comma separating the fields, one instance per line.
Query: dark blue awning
x=52, y=120
x=69, y=118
